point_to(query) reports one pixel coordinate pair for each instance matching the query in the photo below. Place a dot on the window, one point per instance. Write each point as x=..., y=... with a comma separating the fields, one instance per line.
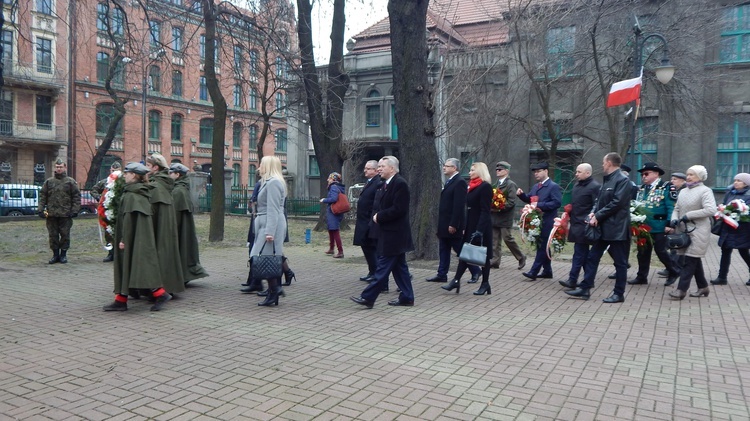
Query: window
x=175, y=2
x=372, y=116
x=102, y=66
x=733, y=148
x=202, y=48
x=237, y=95
x=102, y=17
x=735, y=34
x=280, y=138
x=43, y=112
x=237, y=135
x=560, y=48
x=197, y=6
x=313, y=169
x=176, y=128
x=118, y=78
x=7, y=46
x=253, y=62
x=203, y=89
x=279, y=67
x=177, y=83
x=44, y=6
x=155, y=31
x=105, y=113
x=561, y=129
x=118, y=22
x=6, y=113
x=154, y=78
x=467, y=158
x=43, y=55
x=253, y=141
x=279, y=100
x=645, y=143
x=206, y=136
x=235, y=174
x=237, y=60
x=154, y=124
x=177, y=39
x=253, y=100
x=251, y=170
x=103, y=21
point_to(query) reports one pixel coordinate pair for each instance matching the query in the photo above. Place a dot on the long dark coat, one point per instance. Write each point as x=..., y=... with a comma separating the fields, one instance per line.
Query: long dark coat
x=333, y=221
x=612, y=209
x=392, y=229
x=478, y=204
x=736, y=238
x=188, y=239
x=451, y=208
x=137, y=266
x=582, y=198
x=165, y=230
x=549, y=198
x=364, y=212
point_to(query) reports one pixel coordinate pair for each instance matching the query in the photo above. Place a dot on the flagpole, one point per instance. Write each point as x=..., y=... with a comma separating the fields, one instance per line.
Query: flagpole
x=637, y=70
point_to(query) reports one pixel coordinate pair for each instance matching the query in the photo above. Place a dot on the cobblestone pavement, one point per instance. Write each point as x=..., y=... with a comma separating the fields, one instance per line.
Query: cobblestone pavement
x=525, y=352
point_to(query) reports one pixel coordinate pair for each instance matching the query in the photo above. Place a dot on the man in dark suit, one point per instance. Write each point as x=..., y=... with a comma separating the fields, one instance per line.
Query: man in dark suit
x=391, y=223
x=549, y=199
x=451, y=220
x=364, y=216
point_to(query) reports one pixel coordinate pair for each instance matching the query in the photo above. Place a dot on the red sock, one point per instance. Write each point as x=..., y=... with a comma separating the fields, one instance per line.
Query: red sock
x=158, y=292
x=121, y=298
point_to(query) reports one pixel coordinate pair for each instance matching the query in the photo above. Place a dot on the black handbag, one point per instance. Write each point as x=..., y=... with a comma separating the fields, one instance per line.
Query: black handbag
x=266, y=266
x=680, y=240
x=592, y=233
x=717, y=225
x=473, y=254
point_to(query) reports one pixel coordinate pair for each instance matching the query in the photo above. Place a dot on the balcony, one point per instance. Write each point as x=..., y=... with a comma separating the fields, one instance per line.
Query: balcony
x=115, y=146
x=32, y=132
x=29, y=75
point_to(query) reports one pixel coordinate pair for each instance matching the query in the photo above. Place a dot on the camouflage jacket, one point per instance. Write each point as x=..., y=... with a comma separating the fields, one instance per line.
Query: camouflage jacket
x=60, y=196
x=98, y=189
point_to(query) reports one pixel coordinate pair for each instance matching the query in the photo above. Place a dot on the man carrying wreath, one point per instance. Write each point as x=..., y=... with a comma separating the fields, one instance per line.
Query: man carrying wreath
x=501, y=213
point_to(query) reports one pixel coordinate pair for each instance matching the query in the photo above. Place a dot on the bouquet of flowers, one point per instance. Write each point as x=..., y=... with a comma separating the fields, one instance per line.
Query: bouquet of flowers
x=110, y=202
x=559, y=235
x=640, y=231
x=733, y=213
x=498, y=200
x=531, y=222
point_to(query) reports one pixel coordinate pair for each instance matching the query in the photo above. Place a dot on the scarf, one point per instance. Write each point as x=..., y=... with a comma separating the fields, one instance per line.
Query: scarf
x=474, y=183
x=691, y=185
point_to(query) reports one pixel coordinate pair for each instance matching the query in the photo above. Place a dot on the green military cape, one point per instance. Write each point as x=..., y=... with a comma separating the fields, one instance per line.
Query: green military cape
x=191, y=264
x=165, y=230
x=137, y=266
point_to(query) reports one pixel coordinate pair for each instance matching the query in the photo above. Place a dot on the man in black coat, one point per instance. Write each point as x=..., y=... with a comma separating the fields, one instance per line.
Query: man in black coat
x=582, y=201
x=364, y=217
x=391, y=223
x=451, y=220
x=611, y=214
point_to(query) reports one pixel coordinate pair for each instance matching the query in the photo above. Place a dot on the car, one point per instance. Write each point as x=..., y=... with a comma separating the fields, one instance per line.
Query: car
x=19, y=199
x=88, y=203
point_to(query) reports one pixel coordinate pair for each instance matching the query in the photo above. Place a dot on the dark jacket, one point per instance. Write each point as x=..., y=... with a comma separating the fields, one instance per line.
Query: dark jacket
x=478, y=202
x=582, y=198
x=393, y=229
x=549, y=200
x=364, y=212
x=504, y=218
x=61, y=196
x=658, y=205
x=452, y=208
x=187, y=237
x=333, y=221
x=736, y=238
x=612, y=208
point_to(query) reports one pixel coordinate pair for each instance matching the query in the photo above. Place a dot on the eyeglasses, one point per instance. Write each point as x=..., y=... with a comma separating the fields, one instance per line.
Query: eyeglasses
x=369, y=168
x=449, y=165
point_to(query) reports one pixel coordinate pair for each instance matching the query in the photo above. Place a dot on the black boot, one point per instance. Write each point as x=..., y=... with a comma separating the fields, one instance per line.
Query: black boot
x=110, y=256
x=484, y=289
x=63, y=256
x=253, y=285
x=274, y=291
x=55, y=256
x=288, y=273
x=453, y=284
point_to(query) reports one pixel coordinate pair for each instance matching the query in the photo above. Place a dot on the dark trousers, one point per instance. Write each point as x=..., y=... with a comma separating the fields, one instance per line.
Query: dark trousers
x=445, y=245
x=692, y=266
x=485, y=270
x=58, y=229
x=726, y=259
x=660, y=248
x=676, y=260
x=371, y=258
x=386, y=265
x=541, y=261
x=618, y=250
x=580, y=253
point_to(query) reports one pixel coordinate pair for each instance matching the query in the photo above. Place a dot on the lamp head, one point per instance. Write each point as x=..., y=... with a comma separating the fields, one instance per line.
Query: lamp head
x=665, y=71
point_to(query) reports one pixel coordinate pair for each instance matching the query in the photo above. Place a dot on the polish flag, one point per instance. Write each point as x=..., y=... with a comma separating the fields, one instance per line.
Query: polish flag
x=625, y=92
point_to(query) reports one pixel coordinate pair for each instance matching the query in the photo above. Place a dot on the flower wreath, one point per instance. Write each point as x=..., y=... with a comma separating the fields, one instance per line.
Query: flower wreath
x=109, y=203
x=559, y=234
x=733, y=213
x=640, y=231
x=531, y=222
x=498, y=199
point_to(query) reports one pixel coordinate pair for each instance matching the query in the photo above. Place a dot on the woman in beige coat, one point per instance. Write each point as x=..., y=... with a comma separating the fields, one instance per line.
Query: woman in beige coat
x=695, y=205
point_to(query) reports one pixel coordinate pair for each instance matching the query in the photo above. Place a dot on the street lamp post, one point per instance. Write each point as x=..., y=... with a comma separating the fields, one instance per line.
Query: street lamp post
x=144, y=90
x=664, y=73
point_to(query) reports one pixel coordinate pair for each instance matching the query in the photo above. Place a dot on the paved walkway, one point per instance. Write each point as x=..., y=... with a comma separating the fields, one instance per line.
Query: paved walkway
x=525, y=352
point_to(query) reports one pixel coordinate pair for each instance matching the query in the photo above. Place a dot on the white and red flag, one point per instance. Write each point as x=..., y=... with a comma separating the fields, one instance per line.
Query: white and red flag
x=624, y=92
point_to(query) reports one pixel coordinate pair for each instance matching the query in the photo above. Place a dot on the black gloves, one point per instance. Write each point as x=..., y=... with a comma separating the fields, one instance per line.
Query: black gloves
x=41, y=215
x=685, y=219
x=673, y=223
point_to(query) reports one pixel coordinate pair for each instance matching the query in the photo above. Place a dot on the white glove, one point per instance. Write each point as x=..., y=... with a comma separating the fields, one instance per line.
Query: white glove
x=247, y=245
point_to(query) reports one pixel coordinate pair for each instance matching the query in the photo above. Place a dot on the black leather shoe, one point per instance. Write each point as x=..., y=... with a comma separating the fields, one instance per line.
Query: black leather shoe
x=570, y=283
x=663, y=273
x=522, y=262
x=437, y=278
x=366, y=277
x=545, y=276
x=638, y=281
x=398, y=303
x=529, y=275
x=474, y=278
x=250, y=289
x=612, y=276
x=614, y=298
x=579, y=293
x=671, y=280
x=720, y=281
x=748, y=282
x=362, y=301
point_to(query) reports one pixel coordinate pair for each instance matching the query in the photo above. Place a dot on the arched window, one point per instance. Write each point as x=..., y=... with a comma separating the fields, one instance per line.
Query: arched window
x=154, y=124
x=373, y=94
x=206, y=133
x=154, y=78
x=104, y=115
x=238, y=60
x=280, y=137
x=237, y=135
x=176, y=128
x=253, y=137
x=372, y=110
x=102, y=66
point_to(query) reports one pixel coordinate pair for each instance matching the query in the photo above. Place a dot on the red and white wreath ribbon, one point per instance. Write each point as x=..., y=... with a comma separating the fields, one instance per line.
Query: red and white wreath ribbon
x=564, y=222
x=525, y=212
x=727, y=219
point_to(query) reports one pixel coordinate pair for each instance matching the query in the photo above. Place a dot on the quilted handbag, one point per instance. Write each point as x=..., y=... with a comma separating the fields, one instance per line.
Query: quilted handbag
x=473, y=254
x=266, y=266
x=679, y=240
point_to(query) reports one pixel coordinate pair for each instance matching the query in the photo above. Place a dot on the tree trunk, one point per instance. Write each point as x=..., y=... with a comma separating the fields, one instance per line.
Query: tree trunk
x=413, y=97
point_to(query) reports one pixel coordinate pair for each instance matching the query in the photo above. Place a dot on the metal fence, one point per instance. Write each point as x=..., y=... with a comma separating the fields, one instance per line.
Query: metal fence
x=238, y=199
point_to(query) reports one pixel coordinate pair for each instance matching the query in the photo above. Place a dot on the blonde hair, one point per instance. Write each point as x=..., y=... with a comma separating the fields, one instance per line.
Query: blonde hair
x=481, y=169
x=270, y=167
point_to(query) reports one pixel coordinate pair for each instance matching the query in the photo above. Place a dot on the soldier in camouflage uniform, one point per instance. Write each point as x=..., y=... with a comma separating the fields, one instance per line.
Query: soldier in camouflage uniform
x=59, y=202
x=96, y=193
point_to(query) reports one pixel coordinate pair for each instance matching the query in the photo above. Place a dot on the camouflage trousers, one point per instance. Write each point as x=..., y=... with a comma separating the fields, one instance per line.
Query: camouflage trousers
x=59, y=232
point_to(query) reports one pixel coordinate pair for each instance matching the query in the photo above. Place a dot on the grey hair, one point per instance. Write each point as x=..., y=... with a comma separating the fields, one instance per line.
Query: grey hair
x=391, y=160
x=372, y=162
x=454, y=162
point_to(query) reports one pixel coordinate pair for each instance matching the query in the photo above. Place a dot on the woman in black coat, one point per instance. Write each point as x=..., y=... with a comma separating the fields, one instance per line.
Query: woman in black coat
x=730, y=238
x=478, y=200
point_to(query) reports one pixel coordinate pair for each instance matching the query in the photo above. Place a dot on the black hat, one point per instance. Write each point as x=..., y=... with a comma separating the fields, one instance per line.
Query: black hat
x=679, y=175
x=625, y=168
x=651, y=166
x=136, y=168
x=540, y=166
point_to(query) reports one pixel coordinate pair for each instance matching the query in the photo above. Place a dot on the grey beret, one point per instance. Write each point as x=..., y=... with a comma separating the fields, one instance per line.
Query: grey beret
x=136, y=168
x=179, y=168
